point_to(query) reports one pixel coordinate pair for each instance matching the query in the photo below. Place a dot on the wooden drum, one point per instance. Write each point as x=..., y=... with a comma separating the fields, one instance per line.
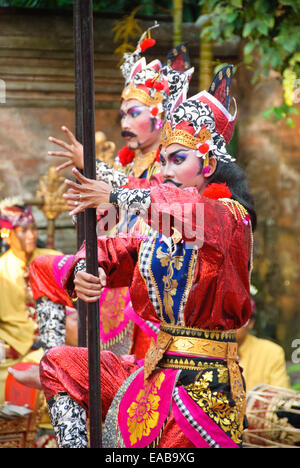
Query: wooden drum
x=273, y=415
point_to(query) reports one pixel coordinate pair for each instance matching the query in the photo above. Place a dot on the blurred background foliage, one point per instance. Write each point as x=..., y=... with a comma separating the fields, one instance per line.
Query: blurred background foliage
x=269, y=32
x=191, y=8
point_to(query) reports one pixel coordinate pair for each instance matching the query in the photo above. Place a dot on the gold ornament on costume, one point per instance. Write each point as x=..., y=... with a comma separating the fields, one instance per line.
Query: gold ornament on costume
x=104, y=148
x=142, y=413
x=131, y=92
x=52, y=187
x=181, y=137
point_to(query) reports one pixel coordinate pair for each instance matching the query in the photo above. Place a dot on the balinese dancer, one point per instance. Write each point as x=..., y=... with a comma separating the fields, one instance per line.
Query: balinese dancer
x=20, y=335
x=150, y=90
x=191, y=272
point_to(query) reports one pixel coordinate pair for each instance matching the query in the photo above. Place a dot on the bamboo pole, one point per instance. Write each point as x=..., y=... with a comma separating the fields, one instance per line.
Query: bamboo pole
x=177, y=21
x=205, y=61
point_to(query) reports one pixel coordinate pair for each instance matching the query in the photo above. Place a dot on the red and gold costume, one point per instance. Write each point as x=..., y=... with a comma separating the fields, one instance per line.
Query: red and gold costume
x=190, y=271
x=211, y=301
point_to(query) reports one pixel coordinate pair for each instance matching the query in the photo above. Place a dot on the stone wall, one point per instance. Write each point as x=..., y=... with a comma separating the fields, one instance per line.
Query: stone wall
x=270, y=152
x=36, y=64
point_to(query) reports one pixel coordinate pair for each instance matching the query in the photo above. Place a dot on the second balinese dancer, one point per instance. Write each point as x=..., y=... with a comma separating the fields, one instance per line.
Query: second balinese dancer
x=149, y=92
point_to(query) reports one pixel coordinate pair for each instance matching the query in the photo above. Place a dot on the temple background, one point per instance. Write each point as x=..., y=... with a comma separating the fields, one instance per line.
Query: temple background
x=36, y=65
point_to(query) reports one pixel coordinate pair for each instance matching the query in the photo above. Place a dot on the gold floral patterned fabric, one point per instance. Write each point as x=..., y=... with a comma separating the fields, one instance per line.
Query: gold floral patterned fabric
x=211, y=392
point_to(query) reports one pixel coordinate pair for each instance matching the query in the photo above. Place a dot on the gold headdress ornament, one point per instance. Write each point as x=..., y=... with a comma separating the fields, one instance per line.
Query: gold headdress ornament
x=203, y=122
x=182, y=137
x=153, y=84
x=132, y=92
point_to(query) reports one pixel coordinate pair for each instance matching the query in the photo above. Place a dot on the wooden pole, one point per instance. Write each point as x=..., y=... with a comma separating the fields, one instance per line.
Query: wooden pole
x=81, y=306
x=89, y=149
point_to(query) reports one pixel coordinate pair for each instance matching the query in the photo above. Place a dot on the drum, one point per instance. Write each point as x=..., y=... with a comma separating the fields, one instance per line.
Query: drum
x=273, y=415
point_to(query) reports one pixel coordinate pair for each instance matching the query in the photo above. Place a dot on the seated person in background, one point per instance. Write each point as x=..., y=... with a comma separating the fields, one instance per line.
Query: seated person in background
x=262, y=361
x=20, y=338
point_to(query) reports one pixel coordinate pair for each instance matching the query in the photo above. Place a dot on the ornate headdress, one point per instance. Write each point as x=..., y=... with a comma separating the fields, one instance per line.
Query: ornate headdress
x=14, y=213
x=203, y=122
x=157, y=86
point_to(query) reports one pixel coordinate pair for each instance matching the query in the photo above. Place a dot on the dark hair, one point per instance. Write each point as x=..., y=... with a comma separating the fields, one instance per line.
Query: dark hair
x=234, y=176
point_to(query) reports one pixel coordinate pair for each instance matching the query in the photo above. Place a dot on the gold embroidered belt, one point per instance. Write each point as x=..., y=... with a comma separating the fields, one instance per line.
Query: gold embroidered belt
x=200, y=343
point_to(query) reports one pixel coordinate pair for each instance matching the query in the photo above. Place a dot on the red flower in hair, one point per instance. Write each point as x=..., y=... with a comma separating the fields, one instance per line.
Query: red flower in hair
x=204, y=148
x=149, y=83
x=216, y=191
x=154, y=111
x=158, y=86
x=146, y=43
x=126, y=155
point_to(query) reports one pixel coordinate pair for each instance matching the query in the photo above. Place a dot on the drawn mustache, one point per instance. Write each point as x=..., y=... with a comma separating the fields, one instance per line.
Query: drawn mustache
x=125, y=133
x=170, y=181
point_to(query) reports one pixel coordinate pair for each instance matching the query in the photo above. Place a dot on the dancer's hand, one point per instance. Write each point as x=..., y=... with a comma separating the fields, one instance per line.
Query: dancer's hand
x=89, y=287
x=89, y=193
x=74, y=151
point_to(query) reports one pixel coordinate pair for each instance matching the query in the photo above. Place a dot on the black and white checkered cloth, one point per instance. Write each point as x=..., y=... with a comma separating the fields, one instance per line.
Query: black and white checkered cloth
x=144, y=266
x=185, y=412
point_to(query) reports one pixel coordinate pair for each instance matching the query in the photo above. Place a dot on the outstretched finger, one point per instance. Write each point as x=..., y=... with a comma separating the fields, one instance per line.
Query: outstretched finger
x=77, y=187
x=69, y=134
x=61, y=143
x=79, y=176
x=64, y=166
x=61, y=154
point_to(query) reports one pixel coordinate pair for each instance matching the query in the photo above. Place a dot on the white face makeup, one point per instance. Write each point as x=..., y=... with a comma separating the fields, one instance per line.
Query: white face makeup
x=182, y=167
x=138, y=126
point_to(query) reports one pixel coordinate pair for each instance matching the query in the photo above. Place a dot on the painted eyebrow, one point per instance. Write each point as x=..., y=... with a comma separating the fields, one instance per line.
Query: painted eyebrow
x=130, y=108
x=176, y=152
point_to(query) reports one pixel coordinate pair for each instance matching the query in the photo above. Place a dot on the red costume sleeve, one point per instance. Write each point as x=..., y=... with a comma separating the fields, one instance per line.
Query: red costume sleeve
x=134, y=182
x=116, y=255
x=180, y=209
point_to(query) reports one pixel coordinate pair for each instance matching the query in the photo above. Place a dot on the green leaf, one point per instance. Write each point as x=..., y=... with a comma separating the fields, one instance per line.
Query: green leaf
x=263, y=28
x=292, y=110
x=248, y=59
x=296, y=387
x=268, y=113
x=232, y=17
x=203, y=19
x=290, y=122
x=248, y=28
x=249, y=47
x=237, y=3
